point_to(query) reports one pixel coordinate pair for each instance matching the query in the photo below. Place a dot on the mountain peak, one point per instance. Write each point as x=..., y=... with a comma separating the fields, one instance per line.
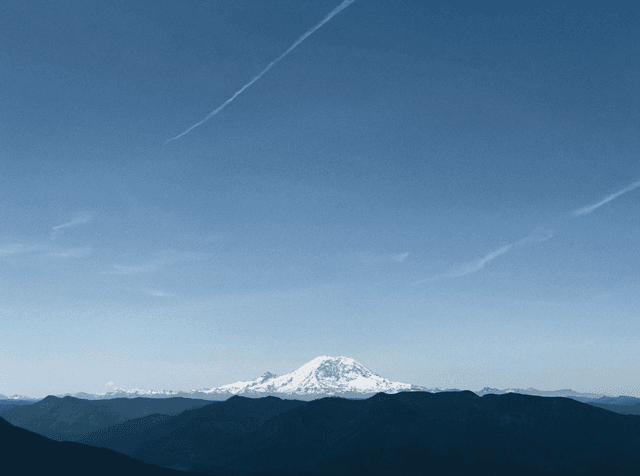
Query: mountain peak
x=328, y=369
x=322, y=376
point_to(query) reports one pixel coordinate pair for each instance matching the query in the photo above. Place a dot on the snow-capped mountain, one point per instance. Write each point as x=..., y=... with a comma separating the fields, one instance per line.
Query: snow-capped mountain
x=16, y=398
x=323, y=376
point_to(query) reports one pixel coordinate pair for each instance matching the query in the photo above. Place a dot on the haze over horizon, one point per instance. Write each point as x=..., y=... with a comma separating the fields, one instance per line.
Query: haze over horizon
x=448, y=194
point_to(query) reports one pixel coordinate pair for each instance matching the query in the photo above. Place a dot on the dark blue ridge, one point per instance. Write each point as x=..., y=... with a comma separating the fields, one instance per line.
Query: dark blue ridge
x=27, y=453
x=66, y=418
x=406, y=433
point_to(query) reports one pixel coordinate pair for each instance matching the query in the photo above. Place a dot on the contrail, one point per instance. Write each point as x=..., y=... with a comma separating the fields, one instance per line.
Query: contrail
x=539, y=235
x=333, y=13
x=587, y=210
x=479, y=264
x=80, y=219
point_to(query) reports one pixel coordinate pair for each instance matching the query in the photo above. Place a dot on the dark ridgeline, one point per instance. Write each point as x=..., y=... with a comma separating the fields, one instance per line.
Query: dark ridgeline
x=193, y=435
x=26, y=453
x=65, y=419
x=633, y=409
x=401, y=434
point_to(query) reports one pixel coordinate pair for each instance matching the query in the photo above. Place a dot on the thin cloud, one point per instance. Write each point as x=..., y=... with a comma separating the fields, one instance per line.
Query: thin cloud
x=604, y=201
x=70, y=252
x=329, y=16
x=157, y=293
x=377, y=258
x=12, y=249
x=479, y=264
x=539, y=235
x=40, y=251
x=80, y=219
x=400, y=257
x=8, y=250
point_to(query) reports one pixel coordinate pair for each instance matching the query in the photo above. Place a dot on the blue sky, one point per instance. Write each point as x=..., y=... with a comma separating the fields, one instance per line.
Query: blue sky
x=401, y=188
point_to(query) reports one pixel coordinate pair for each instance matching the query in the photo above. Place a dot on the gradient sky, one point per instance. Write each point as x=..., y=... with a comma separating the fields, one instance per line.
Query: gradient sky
x=401, y=189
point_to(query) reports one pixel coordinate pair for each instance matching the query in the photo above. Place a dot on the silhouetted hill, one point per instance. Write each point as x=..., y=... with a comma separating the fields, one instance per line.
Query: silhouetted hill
x=64, y=419
x=175, y=441
x=141, y=406
x=404, y=433
x=126, y=437
x=447, y=433
x=26, y=453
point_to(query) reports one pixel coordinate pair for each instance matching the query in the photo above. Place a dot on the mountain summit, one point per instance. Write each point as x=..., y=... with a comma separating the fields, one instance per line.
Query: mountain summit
x=323, y=376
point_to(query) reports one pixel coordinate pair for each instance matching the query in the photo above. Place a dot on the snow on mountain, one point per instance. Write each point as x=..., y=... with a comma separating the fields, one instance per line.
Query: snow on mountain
x=322, y=376
x=16, y=397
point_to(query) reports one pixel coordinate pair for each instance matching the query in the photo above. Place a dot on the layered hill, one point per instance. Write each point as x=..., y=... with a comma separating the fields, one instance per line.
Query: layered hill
x=24, y=452
x=177, y=441
x=65, y=418
x=7, y=404
x=388, y=434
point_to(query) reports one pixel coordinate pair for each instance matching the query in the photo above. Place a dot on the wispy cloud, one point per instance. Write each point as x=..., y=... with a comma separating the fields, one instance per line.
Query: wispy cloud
x=400, y=257
x=607, y=199
x=377, y=258
x=539, y=235
x=329, y=16
x=79, y=219
x=15, y=250
x=65, y=253
x=477, y=265
x=159, y=294
x=39, y=252
x=10, y=249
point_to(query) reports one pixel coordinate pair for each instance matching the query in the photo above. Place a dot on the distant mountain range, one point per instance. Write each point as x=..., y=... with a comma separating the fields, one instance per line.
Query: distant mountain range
x=65, y=419
x=406, y=433
x=323, y=376
x=8, y=404
x=16, y=398
x=542, y=393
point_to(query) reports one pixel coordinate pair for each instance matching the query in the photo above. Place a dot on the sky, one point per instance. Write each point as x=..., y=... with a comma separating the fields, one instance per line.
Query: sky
x=447, y=192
